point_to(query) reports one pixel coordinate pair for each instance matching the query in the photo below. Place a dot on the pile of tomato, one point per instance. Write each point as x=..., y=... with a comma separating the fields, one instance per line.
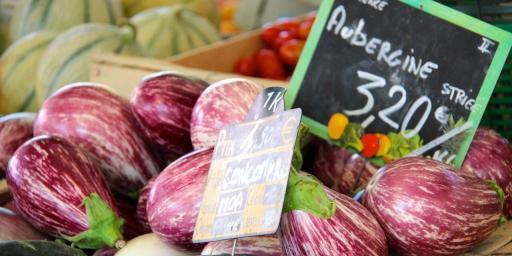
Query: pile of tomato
x=284, y=41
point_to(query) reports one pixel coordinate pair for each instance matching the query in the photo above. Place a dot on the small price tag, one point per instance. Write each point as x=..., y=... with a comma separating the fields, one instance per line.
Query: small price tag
x=249, y=171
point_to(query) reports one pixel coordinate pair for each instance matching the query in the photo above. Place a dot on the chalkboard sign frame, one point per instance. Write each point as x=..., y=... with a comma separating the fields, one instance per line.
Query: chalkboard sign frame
x=435, y=9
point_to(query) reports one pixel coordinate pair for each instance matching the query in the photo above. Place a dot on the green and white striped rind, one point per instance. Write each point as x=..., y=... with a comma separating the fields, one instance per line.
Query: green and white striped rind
x=19, y=64
x=67, y=58
x=6, y=9
x=205, y=8
x=59, y=15
x=168, y=31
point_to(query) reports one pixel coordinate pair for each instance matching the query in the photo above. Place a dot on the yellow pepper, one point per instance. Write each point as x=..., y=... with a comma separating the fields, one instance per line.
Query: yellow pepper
x=336, y=126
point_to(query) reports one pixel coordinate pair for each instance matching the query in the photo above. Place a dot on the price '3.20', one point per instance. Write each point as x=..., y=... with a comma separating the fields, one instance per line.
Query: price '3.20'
x=379, y=82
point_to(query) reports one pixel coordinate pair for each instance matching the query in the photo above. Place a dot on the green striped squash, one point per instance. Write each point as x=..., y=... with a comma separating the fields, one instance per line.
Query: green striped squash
x=19, y=64
x=167, y=31
x=67, y=58
x=6, y=9
x=205, y=8
x=59, y=15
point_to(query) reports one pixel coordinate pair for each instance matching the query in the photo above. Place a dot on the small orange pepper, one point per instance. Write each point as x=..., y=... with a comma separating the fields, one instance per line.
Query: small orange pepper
x=384, y=144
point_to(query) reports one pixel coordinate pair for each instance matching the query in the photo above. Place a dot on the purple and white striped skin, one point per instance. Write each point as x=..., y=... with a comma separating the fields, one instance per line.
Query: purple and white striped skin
x=426, y=208
x=256, y=245
x=175, y=198
x=490, y=158
x=15, y=129
x=49, y=178
x=162, y=104
x=15, y=228
x=225, y=102
x=142, y=213
x=352, y=230
x=101, y=123
x=340, y=169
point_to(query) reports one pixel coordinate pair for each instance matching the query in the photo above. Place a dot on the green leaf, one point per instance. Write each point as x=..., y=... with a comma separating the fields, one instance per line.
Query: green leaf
x=377, y=161
x=352, y=137
x=104, y=226
x=401, y=146
x=305, y=192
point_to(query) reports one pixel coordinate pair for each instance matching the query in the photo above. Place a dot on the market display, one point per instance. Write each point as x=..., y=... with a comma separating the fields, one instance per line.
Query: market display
x=151, y=168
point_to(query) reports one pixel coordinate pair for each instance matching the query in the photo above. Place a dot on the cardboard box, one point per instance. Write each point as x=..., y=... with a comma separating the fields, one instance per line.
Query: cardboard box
x=211, y=63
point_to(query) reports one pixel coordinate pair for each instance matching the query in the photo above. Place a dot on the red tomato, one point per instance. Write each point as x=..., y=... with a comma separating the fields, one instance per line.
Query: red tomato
x=283, y=37
x=269, y=65
x=305, y=28
x=290, y=51
x=370, y=145
x=311, y=16
x=247, y=66
x=288, y=24
x=269, y=34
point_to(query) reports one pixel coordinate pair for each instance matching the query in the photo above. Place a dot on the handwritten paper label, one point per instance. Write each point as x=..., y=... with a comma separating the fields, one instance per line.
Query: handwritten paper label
x=247, y=179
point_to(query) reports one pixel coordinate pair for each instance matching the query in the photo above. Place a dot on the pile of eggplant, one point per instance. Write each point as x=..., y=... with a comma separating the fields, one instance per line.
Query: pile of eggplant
x=95, y=174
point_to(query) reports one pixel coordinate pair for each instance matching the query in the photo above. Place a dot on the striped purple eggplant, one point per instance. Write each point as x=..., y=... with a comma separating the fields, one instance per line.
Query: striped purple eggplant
x=340, y=169
x=15, y=228
x=142, y=213
x=426, y=208
x=352, y=230
x=101, y=123
x=174, y=200
x=225, y=102
x=50, y=180
x=256, y=245
x=15, y=129
x=490, y=158
x=162, y=103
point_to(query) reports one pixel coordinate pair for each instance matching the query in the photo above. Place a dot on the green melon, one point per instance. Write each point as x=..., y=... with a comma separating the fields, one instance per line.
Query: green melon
x=67, y=59
x=167, y=31
x=59, y=15
x=17, y=78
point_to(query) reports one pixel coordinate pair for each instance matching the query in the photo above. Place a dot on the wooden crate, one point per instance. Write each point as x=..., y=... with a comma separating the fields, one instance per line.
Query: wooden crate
x=211, y=63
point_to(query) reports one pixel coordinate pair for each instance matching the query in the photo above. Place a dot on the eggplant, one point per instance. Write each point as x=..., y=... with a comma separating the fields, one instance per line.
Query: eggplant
x=59, y=190
x=15, y=228
x=342, y=170
x=224, y=102
x=102, y=124
x=427, y=208
x=174, y=200
x=162, y=104
x=142, y=212
x=351, y=230
x=15, y=129
x=490, y=158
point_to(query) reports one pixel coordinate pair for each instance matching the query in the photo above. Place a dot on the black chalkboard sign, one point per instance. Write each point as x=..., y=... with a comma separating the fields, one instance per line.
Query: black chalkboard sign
x=415, y=71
